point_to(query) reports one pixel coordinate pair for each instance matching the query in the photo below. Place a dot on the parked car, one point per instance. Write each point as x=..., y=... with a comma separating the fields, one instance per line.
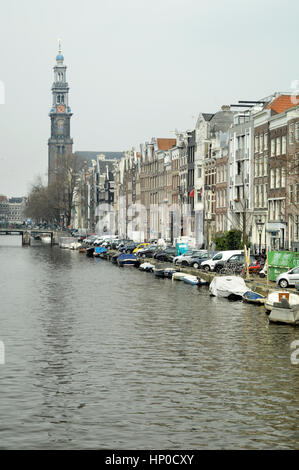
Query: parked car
x=140, y=247
x=123, y=242
x=185, y=258
x=196, y=261
x=289, y=278
x=129, y=248
x=209, y=264
x=234, y=259
x=148, y=251
x=166, y=255
x=90, y=239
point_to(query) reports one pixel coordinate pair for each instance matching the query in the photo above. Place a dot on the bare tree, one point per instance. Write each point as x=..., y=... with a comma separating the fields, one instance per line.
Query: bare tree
x=54, y=203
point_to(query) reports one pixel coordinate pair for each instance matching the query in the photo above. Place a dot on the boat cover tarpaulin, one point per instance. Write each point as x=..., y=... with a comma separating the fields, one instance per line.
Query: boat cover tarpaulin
x=126, y=257
x=227, y=285
x=100, y=249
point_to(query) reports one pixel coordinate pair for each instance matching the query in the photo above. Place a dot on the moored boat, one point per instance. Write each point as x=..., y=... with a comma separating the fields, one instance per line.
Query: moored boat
x=189, y=279
x=251, y=297
x=161, y=271
x=127, y=259
x=275, y=297
x=283, y=312
x=89, y=251
x=147, y=267
x=99, y=251
x=177, y=276
x=230, y=287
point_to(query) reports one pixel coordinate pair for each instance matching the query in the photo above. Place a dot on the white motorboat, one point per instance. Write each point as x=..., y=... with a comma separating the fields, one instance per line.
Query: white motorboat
x=275, y=297
x=231, y=287
x=283, y=312
x=148, y=267
x=178, y=276
x=189, y=279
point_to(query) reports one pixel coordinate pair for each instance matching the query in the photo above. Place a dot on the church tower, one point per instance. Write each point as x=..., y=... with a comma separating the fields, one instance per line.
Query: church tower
x=60, y=143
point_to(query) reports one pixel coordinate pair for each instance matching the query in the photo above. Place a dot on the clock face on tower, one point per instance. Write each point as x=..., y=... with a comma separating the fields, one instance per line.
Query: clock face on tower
x=60, y=108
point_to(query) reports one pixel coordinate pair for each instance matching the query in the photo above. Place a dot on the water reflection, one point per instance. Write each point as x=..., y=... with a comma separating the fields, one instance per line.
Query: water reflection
x=101, y=357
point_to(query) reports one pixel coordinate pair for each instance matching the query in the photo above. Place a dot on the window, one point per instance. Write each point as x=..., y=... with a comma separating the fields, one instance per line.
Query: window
x=256, y=167
x=297, y=131
x=256, y=196
x=291, y=193
x=266, y=141
x=277, y=177
x=261, y=195
x=283, y=177
x=272, y=178
x=291, y=164
x=284, y=144
x=261, y=143
x=272, y=147
x=291, y=133
x=261, y=166
x=297, y=193
x=278, y=146
x=199, y=172
x=256, y=143
x=265, y=165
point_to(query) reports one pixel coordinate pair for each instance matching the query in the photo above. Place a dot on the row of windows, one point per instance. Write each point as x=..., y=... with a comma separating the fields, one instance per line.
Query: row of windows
x=277, y=209
x=261, y=166
x=293, y=132
x=278, y=146
x=221, y=198
x=294, y=228
x=294, y=193
x=221, y=174
x=221, y=223
x=261, y=195
x=261, y=141
x=277, y=178
x=294, y=164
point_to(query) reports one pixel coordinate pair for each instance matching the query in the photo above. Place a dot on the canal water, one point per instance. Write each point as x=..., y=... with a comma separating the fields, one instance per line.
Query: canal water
x=108, y=358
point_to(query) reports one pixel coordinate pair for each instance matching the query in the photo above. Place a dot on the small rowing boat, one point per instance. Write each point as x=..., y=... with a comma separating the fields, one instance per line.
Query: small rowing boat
x=251, y=297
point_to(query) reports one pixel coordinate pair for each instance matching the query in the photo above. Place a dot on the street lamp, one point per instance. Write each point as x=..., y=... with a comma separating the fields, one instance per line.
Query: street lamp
x=260, y=226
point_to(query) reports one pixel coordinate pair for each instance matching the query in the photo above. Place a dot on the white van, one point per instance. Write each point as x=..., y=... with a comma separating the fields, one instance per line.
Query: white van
x=220, y=256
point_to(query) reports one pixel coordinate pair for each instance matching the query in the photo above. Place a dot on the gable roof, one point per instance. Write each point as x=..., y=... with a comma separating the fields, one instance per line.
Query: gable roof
x=207, y=116
x=282, y=103
x=166, y=144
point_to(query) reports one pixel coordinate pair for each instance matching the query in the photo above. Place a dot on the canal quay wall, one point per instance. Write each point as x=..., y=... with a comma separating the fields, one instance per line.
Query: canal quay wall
x=259, y=285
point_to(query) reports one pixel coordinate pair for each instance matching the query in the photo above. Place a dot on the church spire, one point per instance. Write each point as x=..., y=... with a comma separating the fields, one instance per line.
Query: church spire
x=59, y=57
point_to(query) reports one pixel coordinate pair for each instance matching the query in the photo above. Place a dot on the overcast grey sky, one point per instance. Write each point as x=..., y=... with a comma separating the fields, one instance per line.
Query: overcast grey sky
x=136, y=69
